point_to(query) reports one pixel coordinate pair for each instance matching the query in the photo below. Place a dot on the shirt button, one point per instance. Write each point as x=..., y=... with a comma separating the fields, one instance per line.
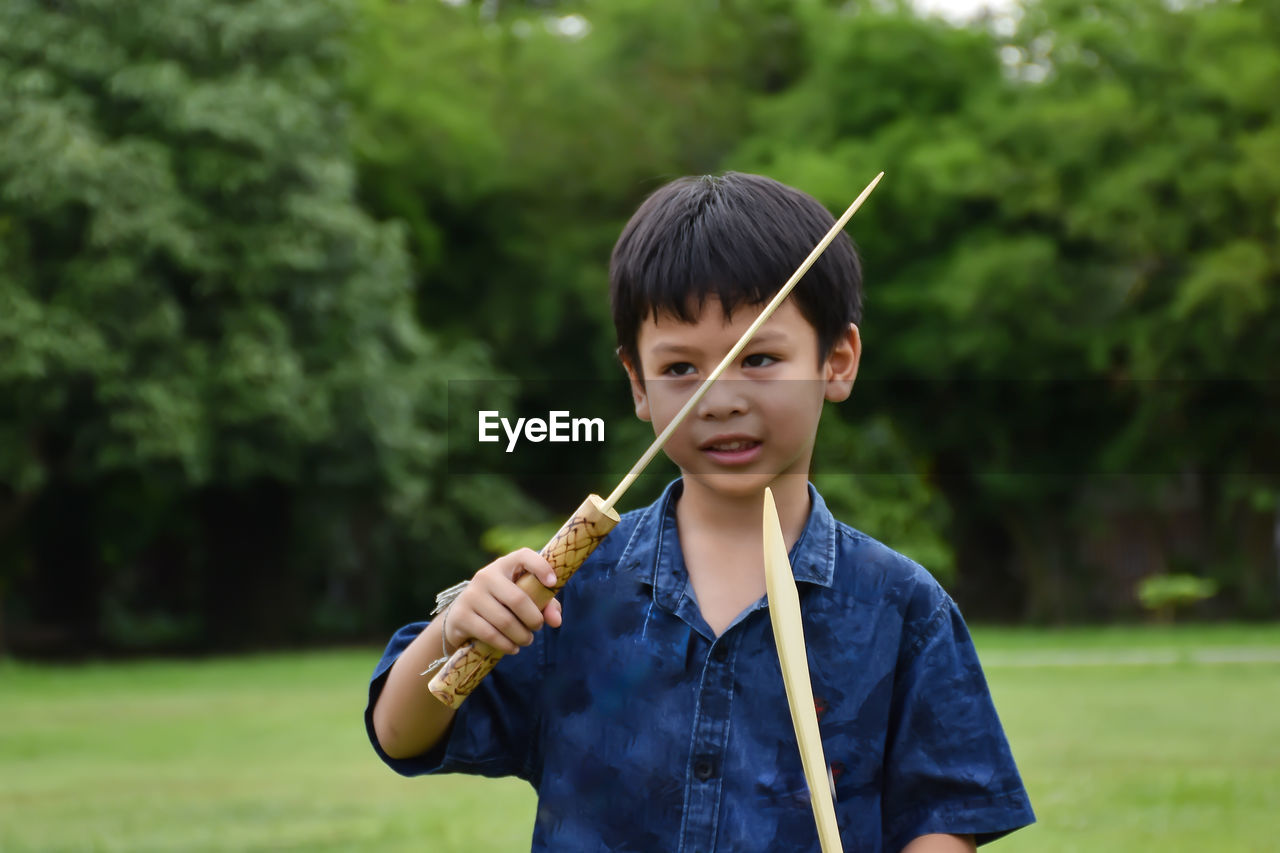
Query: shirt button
x=720, y=653
x=703, y=769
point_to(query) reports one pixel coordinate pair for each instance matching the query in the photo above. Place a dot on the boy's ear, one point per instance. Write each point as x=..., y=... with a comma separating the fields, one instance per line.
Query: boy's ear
x=841, y=365
x=638, y=395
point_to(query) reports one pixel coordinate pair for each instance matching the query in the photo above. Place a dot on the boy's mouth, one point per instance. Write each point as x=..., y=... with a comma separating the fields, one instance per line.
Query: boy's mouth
x=731, y=449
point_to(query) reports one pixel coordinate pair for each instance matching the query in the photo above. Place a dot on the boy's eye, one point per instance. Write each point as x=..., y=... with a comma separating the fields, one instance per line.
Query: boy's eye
x=758, y=360
x=680, y=368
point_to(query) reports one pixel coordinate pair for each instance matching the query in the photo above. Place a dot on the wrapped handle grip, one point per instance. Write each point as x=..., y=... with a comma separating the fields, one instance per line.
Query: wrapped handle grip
x=566, y=551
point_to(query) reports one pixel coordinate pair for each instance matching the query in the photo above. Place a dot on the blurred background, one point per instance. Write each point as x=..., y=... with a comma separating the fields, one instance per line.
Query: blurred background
x=245, y=247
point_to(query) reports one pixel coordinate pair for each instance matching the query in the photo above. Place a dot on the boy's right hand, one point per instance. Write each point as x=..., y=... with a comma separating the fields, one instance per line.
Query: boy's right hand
x=494, y=610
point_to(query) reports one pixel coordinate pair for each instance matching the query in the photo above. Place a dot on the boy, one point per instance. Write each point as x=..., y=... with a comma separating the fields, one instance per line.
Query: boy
x=653, y=716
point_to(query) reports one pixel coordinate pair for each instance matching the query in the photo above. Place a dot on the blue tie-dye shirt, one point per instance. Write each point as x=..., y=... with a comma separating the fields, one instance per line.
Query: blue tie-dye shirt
x=641, y=730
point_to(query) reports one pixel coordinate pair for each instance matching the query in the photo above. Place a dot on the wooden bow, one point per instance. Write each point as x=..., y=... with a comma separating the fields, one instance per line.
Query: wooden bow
x=788, y=635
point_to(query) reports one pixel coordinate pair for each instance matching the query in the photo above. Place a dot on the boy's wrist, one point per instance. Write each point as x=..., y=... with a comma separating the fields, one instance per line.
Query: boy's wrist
x=444, y=627
x=444, y=603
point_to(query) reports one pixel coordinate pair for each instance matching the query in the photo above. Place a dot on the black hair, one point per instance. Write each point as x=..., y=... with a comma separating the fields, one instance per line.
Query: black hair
x=736, y=237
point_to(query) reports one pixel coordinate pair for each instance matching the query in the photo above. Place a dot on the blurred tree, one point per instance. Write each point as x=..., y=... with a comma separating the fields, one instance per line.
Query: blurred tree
x=1074, y=249
x=516, y=139
x=216, y=407
x=1157, y=176
x=1011, y=254
x=215, y=387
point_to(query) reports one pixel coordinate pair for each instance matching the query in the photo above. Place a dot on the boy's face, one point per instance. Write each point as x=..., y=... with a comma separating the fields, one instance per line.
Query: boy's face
x=758, y=422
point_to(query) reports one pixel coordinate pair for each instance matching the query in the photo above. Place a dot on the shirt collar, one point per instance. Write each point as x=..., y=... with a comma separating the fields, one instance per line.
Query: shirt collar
x=653, y=551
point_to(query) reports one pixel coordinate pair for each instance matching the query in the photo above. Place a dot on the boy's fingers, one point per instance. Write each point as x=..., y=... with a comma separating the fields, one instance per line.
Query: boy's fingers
x=518, y=602
x=535, y=564
x=512, y=565
x=493, y=623
x=486, y=633
x=552, y=613
x=494, y=610
x=500, y=603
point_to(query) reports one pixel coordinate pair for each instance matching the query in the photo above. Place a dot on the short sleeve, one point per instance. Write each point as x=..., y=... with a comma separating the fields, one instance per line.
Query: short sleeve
x=948, y=766
x=493, y=732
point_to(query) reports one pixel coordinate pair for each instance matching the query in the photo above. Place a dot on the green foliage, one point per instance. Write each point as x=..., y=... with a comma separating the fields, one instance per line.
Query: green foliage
x=505, y=538
x=1067, y=222
x=515, y=151
x=191, y=301
x=183, y=258
x=1065, y=219
x=244, y=247
x=1166, y=594
x=871, y=481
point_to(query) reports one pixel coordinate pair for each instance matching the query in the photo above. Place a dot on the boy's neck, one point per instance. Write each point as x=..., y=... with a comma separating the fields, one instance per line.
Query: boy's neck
x=721, y=536
x=711, y=512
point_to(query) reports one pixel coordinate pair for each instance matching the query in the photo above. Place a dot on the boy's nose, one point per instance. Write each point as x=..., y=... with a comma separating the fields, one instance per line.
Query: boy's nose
x=724, y=399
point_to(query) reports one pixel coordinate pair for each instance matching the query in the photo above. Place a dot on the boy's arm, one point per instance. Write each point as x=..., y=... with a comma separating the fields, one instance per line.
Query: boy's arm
x=937, y=843
x=407, y=719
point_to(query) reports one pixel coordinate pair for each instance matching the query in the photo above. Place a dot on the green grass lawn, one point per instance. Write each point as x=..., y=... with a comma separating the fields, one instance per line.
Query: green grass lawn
x=1128, y=739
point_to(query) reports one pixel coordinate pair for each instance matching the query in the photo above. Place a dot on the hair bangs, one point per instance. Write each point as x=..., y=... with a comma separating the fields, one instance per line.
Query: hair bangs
x=735, y=239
